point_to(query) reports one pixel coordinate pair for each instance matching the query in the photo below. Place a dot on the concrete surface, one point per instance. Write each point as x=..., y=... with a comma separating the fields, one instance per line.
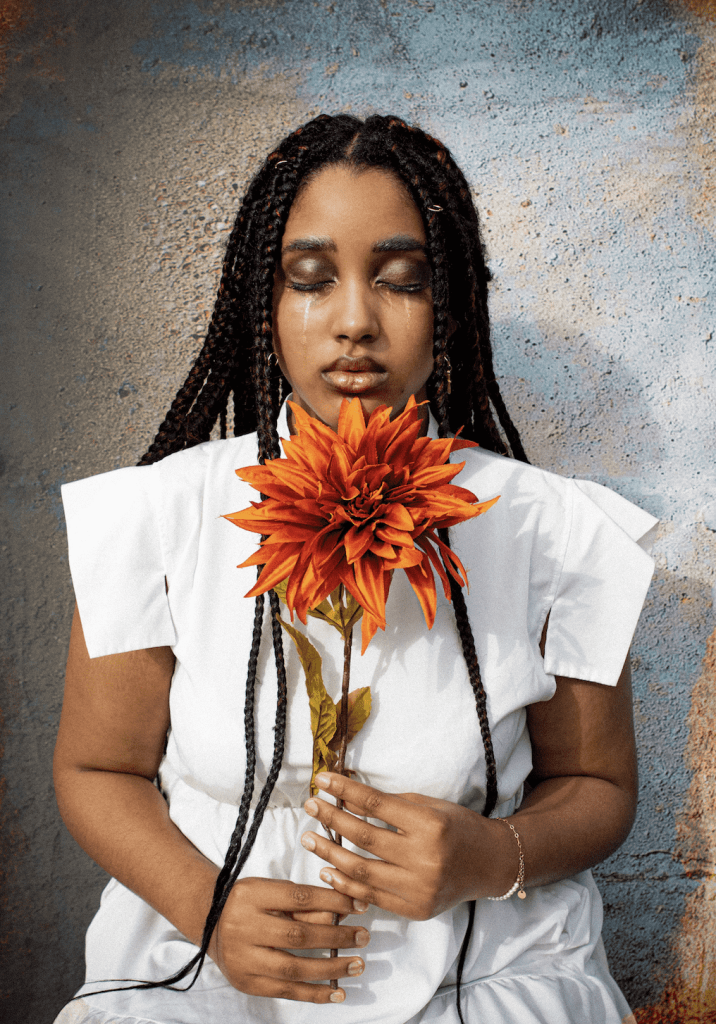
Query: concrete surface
x=128, y=132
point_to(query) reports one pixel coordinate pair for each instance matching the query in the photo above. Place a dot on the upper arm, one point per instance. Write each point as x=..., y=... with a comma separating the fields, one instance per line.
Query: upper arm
x=586, y=729
x=115, y=713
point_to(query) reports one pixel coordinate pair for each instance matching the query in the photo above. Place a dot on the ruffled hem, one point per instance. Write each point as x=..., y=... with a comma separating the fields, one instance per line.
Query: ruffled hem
x=80, y=1012
x=591, y=998
x=527, y=999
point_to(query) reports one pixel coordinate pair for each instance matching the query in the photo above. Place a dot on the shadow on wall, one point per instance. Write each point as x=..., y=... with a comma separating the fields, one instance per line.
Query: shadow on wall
x=660, y=883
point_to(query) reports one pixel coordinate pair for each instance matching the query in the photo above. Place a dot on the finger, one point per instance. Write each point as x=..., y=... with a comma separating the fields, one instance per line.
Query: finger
x=361, y=891
x=298, y=991
x=317, y=917
x=376, y=878
x=370, y=802
x=284, y=967
x=268, y=894
x=381, y=842
x=283, y=933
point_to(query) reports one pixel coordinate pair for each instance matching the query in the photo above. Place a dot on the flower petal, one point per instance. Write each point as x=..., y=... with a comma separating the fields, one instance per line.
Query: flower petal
x=351, y=423
x=424, y=587
x=350, y=506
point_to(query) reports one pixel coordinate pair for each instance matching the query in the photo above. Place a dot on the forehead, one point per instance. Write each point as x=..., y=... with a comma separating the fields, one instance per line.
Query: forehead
x=365, y=204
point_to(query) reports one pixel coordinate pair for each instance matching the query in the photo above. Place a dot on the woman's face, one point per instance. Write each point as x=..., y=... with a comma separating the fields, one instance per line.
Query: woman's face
x=353, y=312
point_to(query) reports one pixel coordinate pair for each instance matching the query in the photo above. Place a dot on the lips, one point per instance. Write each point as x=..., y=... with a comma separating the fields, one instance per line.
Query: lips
x=355, y=376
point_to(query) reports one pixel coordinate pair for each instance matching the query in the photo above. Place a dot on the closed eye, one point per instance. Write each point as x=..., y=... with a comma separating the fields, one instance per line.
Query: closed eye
x=314, y=286
x=416, y=286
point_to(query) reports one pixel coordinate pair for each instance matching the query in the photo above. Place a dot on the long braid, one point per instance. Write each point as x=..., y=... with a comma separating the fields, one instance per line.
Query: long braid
x=467, y=641
x=236, y=358
x=277, y=208
x=436, y=250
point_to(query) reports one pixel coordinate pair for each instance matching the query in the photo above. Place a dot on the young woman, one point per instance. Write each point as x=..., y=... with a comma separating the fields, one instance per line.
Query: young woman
x=500, y=749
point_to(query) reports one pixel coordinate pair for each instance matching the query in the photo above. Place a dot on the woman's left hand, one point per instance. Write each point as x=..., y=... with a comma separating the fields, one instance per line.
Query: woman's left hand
x=440, y=855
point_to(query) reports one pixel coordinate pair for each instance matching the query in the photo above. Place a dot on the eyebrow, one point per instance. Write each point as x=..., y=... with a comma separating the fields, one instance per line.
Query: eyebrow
x=311, y=245
x=400, y=243
x=397, y=243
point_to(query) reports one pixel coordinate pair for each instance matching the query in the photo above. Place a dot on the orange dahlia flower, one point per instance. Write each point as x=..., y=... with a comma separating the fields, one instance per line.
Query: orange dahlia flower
x=353, y=505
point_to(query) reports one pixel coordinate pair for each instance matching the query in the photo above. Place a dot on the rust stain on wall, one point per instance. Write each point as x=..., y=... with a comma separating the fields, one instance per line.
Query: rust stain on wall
x=16, y=46
x=700, y=130
x=691, y=996
x=702, y=8
x=703, y=129
x=14, y=16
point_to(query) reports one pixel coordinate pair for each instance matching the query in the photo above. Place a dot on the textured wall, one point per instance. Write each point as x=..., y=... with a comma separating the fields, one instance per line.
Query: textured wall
x=128, y=131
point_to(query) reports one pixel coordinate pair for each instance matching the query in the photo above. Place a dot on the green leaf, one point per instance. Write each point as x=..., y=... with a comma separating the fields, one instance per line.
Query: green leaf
x=281, y=589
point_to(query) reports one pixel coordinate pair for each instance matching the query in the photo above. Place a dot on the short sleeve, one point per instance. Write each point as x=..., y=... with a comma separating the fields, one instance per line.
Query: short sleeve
x=117, y=563
x=601, y=586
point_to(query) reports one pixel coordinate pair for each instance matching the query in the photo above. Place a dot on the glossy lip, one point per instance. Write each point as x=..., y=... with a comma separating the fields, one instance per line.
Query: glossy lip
x=354, y=376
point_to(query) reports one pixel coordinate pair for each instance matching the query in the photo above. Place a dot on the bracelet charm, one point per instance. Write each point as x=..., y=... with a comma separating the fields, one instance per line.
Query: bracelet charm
x=518, y=887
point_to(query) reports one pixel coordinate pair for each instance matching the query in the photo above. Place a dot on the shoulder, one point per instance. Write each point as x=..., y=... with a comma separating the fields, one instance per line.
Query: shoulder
x=549, y=503
x=488, y=474
x=206, y=466
x=176, y=495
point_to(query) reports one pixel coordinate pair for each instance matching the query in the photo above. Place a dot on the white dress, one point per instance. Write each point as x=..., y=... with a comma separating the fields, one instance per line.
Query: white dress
x=549, y=545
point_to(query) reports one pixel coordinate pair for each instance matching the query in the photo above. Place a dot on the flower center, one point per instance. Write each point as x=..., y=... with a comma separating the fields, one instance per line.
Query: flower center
x=365, y=505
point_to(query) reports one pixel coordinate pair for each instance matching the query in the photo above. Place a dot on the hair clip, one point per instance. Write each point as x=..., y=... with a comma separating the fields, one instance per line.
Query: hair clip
x=279, y=162
x=435, y=209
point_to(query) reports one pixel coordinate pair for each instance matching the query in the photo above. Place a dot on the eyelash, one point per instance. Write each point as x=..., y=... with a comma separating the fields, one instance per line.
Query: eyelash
x=297, y=287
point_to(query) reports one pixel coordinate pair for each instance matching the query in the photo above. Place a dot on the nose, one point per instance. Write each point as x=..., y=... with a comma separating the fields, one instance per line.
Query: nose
x=356, y=316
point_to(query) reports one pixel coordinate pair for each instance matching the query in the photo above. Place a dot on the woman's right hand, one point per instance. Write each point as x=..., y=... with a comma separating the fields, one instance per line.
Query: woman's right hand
x=264, y=918
x=112, y=736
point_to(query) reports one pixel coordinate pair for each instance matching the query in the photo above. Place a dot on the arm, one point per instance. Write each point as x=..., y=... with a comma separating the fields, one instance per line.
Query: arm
x=580, y=810
x=114, y=723
x=584, y=775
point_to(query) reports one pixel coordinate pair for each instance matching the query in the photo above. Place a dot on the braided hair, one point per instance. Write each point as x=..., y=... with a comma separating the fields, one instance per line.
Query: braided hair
x=235, y=361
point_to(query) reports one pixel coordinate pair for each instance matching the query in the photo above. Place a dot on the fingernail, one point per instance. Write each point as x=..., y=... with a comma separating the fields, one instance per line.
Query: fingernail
x=360, y=907
x=337, y=997
x=323, y=781
x=362, y=937
x=311, y=808
x=326, y=876
x=308, y=842
x=355, y=967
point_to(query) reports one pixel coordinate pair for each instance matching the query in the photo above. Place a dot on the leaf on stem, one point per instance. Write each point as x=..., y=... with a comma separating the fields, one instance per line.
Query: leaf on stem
x=325, y=714
x=359, y=704
x=323, y=710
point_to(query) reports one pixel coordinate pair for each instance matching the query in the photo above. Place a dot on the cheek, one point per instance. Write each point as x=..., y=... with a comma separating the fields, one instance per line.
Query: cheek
x=293, y=318
x=418, y=333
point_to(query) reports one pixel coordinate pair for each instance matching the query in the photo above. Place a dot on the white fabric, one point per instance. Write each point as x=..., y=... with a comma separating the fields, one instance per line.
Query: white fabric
x=549, y=545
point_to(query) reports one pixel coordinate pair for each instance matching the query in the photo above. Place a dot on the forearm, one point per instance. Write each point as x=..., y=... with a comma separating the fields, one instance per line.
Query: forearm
x=122, y=821
x=565, y=825
x=569, y=824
